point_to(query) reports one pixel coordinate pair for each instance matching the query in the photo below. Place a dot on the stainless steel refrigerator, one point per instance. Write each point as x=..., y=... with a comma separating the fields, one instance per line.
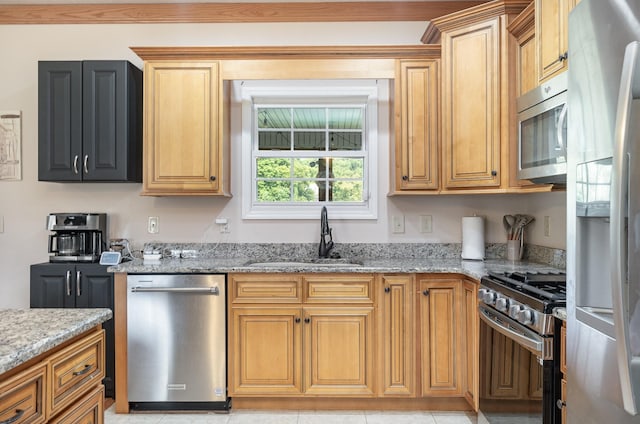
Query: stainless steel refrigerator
x=603, y=213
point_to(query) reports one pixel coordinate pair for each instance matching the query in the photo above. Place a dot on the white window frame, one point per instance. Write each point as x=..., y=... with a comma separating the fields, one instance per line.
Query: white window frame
x=313, y=92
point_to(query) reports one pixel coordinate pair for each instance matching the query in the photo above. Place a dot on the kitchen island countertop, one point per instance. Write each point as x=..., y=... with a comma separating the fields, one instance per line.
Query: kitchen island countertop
x=27, y=333
x=473, y=269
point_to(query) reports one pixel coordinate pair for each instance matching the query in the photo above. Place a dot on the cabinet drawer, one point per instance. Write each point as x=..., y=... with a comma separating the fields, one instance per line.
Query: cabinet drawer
x=88, y=410
x=74, y=370
x=265, y=288
x=347, y=289
x=22, y=396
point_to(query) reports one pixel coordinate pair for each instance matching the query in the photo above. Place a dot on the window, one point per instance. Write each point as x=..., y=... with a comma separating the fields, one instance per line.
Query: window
x=307, y=144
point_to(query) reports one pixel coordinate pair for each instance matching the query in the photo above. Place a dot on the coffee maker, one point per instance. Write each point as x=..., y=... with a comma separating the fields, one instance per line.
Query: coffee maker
x=77, y=237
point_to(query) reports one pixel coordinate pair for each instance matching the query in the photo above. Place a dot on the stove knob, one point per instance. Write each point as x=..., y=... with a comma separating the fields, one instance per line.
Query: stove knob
x=489, y=297
x=502, y=304
x=525, y=317
x=514, y=310
x=481, y=294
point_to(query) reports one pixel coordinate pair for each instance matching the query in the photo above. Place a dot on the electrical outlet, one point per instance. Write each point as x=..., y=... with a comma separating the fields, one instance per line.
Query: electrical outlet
x=426, y=224
x=152, y=225
x=397, y=224
x=547, y=226
x=223, y=223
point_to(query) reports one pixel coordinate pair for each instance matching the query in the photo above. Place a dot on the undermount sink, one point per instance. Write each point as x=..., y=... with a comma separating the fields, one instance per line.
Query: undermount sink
x=324, y=263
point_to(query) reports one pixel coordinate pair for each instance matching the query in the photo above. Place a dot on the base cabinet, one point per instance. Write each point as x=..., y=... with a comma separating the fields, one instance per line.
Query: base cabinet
x=297, y=345
x=323, y=336
x=62, y=386
x=58, y=285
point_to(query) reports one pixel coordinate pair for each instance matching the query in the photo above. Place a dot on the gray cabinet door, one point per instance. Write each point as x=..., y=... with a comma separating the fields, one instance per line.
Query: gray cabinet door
x=59, y=121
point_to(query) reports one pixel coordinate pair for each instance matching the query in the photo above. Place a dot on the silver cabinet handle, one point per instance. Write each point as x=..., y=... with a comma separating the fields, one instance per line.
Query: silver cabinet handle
x=75, y=164
x=78, y=284
x=68, y=283
x=621, y=199
x=202, y=290
x=86, y=159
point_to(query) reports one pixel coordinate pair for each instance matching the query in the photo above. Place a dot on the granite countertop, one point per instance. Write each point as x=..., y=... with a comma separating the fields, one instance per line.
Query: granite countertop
x=560, y=313
x=473, y=269
x=26, y=333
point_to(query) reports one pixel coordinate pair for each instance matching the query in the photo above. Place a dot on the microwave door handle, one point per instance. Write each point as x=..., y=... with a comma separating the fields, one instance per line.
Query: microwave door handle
x=561, y=145
x=628, y=366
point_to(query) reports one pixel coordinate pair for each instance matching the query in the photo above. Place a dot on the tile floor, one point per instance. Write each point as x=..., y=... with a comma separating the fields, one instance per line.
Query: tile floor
x=293, y=417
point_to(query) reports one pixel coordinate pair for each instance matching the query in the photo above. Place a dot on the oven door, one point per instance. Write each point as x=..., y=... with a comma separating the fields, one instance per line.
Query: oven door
x=517, y=385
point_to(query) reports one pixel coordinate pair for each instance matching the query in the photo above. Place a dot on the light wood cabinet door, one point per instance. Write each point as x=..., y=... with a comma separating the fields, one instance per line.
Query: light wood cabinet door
x=552, y=22
x=396, y=331
x=523, y=29
x=265, y=351
x=441, y=349
x=471, y=333
x=183, y=145
x=417, y=135
x=471, y=100
x=338, y=351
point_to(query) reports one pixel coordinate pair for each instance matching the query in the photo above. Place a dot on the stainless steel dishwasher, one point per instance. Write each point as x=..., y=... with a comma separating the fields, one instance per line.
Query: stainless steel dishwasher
x=176, y=342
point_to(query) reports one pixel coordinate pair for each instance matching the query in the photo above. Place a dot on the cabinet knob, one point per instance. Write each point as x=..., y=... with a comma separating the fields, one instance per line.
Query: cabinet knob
x=563, y=57
x=307, y=320
x=212, y=178
x=426, y=292
x=405, y=178
x=387, y=290
x=494, y=173
x=297, y=320
x=560, y=404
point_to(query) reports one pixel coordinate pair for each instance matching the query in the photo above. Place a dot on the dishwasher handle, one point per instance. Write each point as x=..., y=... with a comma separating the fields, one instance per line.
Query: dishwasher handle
x=215, y=290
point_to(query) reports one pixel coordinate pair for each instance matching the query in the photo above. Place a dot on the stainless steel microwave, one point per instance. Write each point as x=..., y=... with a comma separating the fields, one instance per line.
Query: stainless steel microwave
x=542, y=132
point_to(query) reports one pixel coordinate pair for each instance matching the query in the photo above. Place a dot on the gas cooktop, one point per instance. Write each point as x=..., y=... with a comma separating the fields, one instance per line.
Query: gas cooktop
x=546, y=286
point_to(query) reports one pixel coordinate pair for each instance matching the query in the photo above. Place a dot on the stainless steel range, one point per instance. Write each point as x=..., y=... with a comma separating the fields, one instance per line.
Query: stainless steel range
x=519, y=355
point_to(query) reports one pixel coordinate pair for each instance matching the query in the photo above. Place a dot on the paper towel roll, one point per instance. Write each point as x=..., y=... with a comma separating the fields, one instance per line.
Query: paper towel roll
x=473, y=237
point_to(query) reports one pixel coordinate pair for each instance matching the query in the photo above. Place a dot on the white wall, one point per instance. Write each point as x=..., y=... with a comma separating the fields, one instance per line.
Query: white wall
x=24, y=204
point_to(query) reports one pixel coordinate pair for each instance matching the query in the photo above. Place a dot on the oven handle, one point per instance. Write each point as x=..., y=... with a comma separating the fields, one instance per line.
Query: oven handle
x=522, y=336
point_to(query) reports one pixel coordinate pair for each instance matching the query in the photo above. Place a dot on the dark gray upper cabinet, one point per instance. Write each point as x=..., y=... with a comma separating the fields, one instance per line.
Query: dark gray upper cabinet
x=89, y=121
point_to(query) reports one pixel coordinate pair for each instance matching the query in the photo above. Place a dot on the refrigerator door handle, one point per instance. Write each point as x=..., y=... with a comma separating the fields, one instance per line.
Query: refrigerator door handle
x=628, y=367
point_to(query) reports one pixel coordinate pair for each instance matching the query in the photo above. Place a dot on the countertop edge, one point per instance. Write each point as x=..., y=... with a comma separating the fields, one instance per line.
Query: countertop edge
x=53, y=327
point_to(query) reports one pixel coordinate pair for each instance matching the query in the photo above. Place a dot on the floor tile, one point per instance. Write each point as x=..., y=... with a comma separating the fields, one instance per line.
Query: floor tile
x=399, y=418
x=454, y=418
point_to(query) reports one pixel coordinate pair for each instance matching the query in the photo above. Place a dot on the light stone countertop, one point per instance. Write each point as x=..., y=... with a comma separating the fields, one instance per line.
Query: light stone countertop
x=27, y=333
x=560, y=313
x=473, y=269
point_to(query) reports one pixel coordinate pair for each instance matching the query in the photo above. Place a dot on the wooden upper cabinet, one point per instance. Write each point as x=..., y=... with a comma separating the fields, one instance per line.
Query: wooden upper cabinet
x=417, y=152
x=471, y=105
x=552, y=22
x=523, y=30
x=184, y=140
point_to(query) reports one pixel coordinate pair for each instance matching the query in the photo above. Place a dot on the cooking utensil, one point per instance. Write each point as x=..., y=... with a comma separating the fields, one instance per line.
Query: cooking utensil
x=509, y=222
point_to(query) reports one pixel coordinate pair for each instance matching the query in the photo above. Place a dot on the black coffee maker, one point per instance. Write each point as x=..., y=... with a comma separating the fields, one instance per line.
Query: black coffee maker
x=77, y=237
